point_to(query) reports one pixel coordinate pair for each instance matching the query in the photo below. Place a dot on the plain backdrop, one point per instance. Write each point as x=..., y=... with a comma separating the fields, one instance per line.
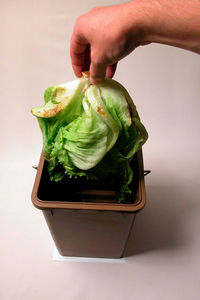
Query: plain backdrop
x=164, y=249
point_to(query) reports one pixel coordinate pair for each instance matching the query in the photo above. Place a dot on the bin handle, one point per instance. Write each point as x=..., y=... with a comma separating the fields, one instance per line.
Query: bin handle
x=146, y=172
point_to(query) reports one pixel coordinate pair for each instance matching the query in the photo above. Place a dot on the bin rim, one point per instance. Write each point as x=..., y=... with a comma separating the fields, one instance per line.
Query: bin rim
x=118, y=207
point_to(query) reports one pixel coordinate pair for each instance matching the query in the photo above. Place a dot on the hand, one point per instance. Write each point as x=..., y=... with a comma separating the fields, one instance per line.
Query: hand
x=102, y=37
x=105, y=35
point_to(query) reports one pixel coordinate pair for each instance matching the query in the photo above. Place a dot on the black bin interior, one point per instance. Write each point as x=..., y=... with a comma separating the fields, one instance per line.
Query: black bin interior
x=83, y=190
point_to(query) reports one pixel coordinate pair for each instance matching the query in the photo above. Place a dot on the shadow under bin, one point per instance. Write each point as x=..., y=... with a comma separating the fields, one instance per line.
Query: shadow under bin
x=84, y=217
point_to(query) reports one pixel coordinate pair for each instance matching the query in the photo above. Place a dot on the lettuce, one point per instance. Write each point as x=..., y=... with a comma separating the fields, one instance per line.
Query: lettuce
x=90, y=130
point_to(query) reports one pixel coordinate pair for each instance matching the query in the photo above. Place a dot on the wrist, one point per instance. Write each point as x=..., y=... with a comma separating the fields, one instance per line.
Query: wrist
x=174, y=22
x=141, y=19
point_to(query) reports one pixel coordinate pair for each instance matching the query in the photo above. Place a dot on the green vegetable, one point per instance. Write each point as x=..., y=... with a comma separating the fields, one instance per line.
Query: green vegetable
x=90, y=130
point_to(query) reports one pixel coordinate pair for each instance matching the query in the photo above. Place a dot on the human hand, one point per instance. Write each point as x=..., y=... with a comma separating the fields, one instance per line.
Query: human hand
x=102, y=37
x=105, y=35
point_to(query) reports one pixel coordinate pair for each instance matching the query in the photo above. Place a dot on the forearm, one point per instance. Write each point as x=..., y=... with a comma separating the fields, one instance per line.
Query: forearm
x=171, y=22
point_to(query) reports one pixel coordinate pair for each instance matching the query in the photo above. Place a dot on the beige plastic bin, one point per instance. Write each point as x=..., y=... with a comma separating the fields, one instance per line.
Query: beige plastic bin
x=85, y=219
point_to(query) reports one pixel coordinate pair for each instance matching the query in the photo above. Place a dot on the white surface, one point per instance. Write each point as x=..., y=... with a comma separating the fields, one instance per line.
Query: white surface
x=164, y=250
x=58, y=257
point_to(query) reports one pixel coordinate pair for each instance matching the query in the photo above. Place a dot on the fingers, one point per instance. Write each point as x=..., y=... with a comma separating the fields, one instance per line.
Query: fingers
x=78, y=52
x=110, y=71
x=97, y=72
x=85, y=56
x=81, y=61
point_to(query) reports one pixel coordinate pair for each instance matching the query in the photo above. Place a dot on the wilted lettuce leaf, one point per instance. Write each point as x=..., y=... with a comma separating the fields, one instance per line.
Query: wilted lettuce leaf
x=90, y=130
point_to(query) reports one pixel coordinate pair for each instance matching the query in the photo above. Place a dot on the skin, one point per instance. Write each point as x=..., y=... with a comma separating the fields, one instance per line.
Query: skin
x=105, y=35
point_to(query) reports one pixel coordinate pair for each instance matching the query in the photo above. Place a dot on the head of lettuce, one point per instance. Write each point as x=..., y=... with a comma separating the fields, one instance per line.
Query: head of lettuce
x=90, y=130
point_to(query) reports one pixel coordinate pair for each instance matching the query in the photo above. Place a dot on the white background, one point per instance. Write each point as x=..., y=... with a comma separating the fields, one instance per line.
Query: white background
x=164, y=261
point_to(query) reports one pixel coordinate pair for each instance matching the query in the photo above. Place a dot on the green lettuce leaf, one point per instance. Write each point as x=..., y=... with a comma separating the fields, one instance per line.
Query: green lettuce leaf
x=90, y=130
